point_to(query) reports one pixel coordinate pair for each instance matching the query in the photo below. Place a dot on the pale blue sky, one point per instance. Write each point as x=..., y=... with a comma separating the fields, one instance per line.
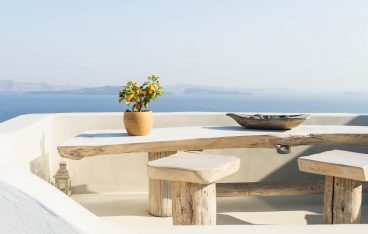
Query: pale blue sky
x=300, y=44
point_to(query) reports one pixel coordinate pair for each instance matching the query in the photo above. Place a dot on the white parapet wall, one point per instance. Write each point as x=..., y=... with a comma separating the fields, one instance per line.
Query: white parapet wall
x=25, y=144
x=28, y=159
x=126, y=173
x=29, y=143
x=29, y=203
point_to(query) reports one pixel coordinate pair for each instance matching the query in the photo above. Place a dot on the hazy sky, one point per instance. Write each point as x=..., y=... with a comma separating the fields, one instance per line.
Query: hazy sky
x=302, y=44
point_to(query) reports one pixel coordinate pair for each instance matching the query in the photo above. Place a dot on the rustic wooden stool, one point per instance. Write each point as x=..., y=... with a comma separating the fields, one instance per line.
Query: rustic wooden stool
x=193, y=177
x=344, y=173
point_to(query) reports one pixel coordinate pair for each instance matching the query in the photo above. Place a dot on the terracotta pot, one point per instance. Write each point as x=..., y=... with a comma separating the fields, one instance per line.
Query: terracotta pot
x=138, y=123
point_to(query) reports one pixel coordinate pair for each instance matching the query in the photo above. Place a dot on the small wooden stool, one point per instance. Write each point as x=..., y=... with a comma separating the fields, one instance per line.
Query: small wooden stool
x=193, y=189
x=344, y=173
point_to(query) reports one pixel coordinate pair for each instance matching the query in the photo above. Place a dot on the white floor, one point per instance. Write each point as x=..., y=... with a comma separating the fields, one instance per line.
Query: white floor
x=130, y=209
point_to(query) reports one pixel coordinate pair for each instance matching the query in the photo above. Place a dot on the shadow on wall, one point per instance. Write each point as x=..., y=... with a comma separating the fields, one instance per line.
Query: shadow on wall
x=82, y=189
x=291, y=168
x=359, y=121
x=40, y=166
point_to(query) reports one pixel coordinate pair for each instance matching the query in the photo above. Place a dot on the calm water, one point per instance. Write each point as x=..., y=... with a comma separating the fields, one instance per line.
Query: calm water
x=12, y=104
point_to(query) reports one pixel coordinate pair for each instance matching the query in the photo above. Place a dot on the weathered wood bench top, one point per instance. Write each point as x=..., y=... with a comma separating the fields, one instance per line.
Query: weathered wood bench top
x=92, y=143
x=338, y=163
x=193, y=168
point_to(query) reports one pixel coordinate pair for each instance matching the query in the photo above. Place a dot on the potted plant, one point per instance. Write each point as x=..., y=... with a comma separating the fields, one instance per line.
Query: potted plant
x=139, y=120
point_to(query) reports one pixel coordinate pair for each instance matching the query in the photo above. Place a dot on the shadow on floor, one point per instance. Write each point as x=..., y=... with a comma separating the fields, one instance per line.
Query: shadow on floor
x=314, y=219
x=81, y=189
x=223, y=219
x=311, y=203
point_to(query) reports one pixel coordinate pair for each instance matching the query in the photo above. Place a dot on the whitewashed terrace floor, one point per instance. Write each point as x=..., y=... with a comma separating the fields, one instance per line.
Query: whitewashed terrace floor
x=130, y=209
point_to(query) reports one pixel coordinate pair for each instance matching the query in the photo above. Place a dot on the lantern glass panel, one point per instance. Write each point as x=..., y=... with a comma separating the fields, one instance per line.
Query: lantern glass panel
x=61, y=184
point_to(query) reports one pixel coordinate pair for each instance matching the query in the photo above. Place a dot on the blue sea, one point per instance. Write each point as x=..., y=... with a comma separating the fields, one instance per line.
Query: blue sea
x=14, y=104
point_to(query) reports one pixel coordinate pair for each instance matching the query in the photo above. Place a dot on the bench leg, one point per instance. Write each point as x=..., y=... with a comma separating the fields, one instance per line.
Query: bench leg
x=342, y=201
x=194, y=204
x=159, y=192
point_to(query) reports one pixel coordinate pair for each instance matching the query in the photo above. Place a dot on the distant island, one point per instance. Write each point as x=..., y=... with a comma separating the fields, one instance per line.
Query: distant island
x=169, y=90
x=104, y=90
x=17, y=86
x=181, y=89
x=203, y=91
x=113, y=90
x=354, y=93
x=44, y=88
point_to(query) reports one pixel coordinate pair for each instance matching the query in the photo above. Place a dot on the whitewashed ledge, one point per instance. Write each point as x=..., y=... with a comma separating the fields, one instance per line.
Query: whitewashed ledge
x=29, y=204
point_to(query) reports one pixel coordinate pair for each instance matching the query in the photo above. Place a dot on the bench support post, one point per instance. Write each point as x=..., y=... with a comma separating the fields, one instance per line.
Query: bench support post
x=194, y=204
x=159, y=203
x=342, y=201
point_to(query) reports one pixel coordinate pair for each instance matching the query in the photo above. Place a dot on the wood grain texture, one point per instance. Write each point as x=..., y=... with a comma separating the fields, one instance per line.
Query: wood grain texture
x=277, y=188
x=94, y=143
x=337, y=163
x=159, y=193
x=194, y=204
x=280, y=188
x=343, y=198
x=347, y=201
x=193, y=167
x=328, y=200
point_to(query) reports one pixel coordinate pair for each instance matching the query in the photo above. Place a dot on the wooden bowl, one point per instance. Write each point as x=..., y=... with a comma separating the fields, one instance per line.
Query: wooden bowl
x=276, y=122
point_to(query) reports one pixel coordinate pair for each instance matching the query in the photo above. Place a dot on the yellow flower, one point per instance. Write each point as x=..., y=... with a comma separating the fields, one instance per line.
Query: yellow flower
x=128, y=99
x=151, y=89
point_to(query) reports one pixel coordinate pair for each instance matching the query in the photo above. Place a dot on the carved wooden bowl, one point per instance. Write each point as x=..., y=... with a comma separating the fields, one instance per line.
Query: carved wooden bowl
x=277, y=122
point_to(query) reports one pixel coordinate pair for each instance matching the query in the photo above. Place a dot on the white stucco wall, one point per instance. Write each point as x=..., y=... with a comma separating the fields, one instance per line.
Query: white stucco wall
x=27, y=201
x=26, y=143
x=28, y=159
x=127, y=172
x=29, y=143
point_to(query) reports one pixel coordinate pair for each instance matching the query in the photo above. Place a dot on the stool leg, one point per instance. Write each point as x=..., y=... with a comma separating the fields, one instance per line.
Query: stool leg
x=194, y=204
x=342, y=201
x=159, y=193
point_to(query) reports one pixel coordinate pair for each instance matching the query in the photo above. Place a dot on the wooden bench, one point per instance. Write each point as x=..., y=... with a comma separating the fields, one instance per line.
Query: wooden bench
x=344, y=173
x=193, y=177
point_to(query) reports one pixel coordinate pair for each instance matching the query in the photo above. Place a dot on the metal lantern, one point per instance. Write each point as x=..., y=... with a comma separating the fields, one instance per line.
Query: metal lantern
x=63, y=178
